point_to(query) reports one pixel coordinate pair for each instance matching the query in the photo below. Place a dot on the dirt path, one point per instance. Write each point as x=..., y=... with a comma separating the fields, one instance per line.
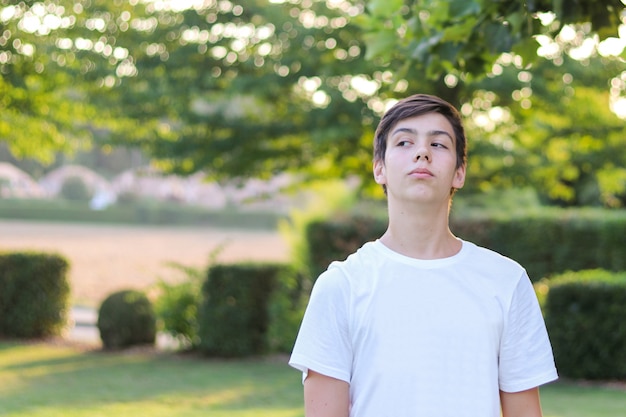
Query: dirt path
x=105, y=258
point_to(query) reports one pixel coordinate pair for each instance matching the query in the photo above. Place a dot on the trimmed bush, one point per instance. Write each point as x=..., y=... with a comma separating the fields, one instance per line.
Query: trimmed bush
x=552, y=241
x=586, y=318
x=34, y=294
x=234, y=315
x=334, y=240
x=126, y=318
x=286, y=309
x=544, y=242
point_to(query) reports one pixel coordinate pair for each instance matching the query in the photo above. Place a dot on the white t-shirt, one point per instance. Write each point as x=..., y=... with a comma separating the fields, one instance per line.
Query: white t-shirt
x=428, y=338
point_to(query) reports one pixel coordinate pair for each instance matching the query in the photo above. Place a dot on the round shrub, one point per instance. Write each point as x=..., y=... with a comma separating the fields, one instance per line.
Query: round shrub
x=126, y=318
x=75, y=189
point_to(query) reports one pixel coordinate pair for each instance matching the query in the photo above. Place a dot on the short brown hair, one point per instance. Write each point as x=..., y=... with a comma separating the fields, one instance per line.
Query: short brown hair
x=417, y=105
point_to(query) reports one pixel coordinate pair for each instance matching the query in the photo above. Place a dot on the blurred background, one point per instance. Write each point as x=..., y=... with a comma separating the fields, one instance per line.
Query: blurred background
x=223, y=117
x=168, y=146
x=219, y=103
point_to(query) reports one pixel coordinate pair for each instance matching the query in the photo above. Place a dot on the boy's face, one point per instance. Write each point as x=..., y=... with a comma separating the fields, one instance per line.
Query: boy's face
x=420, y=161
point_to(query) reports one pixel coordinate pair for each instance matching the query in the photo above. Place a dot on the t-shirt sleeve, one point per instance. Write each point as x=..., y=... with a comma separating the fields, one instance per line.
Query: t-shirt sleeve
x=323, y=343
x=526, y=359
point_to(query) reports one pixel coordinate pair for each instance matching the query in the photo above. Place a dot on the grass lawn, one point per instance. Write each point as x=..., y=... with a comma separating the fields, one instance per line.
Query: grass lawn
x=61, y=381
x=573, y=400
x=54, y=381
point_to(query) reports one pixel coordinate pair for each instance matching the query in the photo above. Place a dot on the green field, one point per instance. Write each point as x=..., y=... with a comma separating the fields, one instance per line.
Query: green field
x=62, y=381
x=139, y=213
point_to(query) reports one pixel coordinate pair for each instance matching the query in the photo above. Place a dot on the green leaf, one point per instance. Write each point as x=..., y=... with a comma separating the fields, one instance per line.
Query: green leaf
x=448, y=52
x=380, y=44
x=439, y=13
x=462, y=8
x=367, y=22
x=423, y=48
x=516, y=21
x=498, y=37
x=384, y=8
x=460, y=32
x=527, y=49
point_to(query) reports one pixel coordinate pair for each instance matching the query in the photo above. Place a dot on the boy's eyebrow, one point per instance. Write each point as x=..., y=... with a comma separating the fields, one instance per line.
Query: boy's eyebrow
x=429, y=133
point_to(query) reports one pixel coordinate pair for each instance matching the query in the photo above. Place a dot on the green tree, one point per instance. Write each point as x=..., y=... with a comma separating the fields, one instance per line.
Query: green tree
x=234, y=89
x=241, y=89
x=466, y=37
x=44, y=102
x=550, y=127
x=248, y=89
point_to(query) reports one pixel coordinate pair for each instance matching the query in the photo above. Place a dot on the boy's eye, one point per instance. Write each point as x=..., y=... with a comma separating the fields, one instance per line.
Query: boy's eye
x=439, y=145
x=403, y=143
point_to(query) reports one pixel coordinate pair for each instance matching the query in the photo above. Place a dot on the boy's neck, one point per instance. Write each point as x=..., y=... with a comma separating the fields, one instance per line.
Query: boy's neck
x=420, y=232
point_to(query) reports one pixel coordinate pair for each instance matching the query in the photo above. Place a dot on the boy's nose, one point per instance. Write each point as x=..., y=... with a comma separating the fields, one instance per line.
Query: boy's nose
x=422, y=153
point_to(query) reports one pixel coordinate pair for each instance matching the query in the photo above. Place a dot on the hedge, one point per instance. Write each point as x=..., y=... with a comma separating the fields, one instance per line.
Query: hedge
x=234, y=317
x=585, y=314
x=140, y=212
x=34, y=294
x=545, y=243
x=553, y=241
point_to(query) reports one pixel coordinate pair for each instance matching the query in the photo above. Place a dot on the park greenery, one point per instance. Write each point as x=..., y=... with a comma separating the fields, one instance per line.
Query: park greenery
x=249, y=89
x=48, y=380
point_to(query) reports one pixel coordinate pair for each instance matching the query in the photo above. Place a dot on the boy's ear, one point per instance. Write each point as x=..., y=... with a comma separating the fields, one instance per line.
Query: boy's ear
x=459, y=177
x=379, y=172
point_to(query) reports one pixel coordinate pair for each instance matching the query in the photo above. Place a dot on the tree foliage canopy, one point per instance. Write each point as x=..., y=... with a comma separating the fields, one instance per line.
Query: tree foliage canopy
x=467, y=36
x=252, y=88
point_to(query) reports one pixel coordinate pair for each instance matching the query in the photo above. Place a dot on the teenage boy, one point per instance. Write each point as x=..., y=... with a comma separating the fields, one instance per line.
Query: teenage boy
x=420, y=322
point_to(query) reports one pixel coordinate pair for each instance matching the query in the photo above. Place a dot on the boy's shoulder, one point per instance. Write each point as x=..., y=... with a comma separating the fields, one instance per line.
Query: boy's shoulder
x=479, y=254
x=367, y=256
